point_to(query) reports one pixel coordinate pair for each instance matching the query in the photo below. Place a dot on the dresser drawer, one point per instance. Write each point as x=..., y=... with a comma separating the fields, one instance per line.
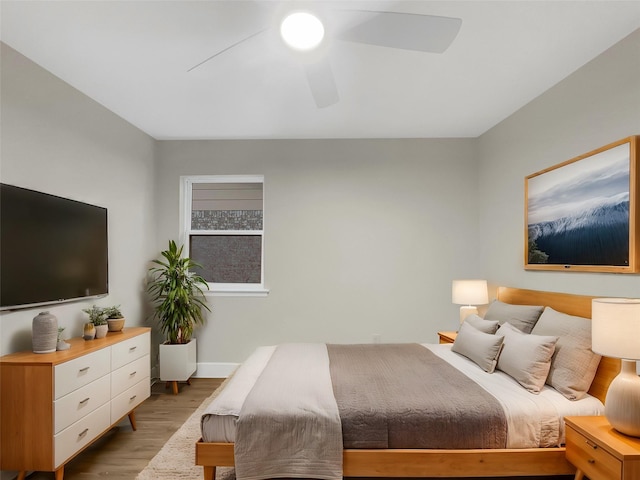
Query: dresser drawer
x=130, y=350
x=81, y=371
x=80, y=434
x=75, y=405
x=590, y=458
x=130, y=399
x=127, y=376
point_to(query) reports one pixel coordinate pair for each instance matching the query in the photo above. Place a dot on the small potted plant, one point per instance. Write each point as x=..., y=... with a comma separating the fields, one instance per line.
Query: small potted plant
x=61, y=344
x=177, y=295
x=99, y=320
x=115, y=319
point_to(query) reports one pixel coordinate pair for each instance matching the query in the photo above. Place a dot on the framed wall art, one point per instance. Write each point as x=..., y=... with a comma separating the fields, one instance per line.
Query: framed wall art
x=583, y=214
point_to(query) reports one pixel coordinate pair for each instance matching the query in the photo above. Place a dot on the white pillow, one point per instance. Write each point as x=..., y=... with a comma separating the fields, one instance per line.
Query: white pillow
x=526, y=357
x=573, y=364
x=479, y=347
x=486, y=326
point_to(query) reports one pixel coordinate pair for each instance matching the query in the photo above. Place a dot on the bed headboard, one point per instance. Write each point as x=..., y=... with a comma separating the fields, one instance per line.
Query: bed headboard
x=571, y=304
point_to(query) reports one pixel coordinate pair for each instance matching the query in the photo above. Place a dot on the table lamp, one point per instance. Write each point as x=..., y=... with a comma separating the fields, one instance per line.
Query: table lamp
x=469, y=293
x=615, y=332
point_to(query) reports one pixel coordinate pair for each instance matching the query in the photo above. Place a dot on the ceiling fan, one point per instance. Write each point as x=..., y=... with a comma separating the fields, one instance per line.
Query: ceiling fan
x=406, y=31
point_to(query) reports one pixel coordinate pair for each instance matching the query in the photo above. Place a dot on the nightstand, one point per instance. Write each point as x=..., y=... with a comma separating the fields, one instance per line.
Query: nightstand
x=447, y=337
x=599, y=452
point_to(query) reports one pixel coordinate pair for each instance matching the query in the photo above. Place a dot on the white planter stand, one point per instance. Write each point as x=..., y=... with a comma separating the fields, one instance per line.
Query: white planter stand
x=177, y=363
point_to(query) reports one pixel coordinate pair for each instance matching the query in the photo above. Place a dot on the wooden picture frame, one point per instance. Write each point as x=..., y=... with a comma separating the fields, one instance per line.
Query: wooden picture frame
x=583, y=215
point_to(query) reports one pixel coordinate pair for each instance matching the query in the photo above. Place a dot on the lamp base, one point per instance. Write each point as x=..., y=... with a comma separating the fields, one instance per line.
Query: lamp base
x=467, y=310
x=622, y=405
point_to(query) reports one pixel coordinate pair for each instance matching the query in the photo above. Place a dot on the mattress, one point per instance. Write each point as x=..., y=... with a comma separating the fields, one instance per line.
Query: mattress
x=533, y=420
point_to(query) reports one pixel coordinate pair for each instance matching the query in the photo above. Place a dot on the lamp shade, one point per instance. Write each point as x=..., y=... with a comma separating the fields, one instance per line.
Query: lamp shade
x=615, y=327
x=469, y=292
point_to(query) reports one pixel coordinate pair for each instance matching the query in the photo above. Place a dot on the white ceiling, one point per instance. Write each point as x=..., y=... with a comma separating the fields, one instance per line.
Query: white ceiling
x=133, y=57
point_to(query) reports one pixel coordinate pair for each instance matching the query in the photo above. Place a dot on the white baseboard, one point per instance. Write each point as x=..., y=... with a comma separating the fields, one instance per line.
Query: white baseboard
x=215, y=370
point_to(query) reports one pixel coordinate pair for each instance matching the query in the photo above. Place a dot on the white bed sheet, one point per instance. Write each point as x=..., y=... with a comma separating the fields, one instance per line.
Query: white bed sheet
x=533, y=420
x=218, y=423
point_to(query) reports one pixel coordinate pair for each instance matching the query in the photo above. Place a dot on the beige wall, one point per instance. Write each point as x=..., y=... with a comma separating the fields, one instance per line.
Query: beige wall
x=57, y=140
x=362, y=237
x=596, y=105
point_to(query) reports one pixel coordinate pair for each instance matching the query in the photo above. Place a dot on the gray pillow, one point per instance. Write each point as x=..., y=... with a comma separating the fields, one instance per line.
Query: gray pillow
x=486, y=326
x=526, y=357
x=523, y=317
x=479, y=347
x=573, y=364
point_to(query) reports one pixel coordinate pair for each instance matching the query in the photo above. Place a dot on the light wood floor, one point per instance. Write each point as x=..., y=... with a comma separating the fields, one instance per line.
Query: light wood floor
x=122, y=453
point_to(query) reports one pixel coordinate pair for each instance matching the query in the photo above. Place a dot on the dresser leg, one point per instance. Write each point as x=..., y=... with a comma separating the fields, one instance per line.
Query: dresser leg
x=175, y=388
x=60, y=473
x=132, y=420
x=579, y=475
x=22, y=474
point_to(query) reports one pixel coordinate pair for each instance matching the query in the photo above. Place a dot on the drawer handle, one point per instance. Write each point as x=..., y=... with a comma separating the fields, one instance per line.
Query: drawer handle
x=591, y=444
x=83, y=433
x=132, y=373
x=133, y=398
x=131, y=349
x=84, y=401
x=85, y=369
x=591, y=460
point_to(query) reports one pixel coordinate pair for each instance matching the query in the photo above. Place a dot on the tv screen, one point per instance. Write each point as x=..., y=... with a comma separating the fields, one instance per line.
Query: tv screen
x=52, y=249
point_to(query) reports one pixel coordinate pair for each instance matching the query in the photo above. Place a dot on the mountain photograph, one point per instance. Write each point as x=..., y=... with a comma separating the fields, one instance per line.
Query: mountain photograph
x=578, y=214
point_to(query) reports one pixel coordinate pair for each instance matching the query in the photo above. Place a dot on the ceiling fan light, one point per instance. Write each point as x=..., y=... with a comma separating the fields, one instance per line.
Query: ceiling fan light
x=302, y=31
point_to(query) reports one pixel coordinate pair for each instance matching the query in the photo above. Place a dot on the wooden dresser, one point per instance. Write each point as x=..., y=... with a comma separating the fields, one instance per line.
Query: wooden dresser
x=53, y=405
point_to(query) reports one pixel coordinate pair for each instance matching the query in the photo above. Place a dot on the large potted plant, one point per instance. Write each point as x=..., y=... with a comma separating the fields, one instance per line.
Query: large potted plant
x=177, y=294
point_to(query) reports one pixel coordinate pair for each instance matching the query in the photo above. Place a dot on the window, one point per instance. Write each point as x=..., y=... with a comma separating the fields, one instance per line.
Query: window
x=224, y=231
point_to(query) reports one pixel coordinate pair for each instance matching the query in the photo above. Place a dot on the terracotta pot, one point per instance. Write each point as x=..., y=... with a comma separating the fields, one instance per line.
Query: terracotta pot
x=115, y=324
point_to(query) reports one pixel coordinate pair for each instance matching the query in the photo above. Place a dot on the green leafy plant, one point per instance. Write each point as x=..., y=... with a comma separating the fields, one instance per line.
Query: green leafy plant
x=177, y=295
x=96, y=315
x=113, y=312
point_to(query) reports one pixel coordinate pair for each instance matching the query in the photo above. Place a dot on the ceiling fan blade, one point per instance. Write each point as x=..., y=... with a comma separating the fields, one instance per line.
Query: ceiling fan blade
x=407, y=31
x=322, y=83
x=226, y=49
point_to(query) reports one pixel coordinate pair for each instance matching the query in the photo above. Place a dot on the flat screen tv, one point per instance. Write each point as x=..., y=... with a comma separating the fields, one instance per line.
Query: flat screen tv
x=52, y=249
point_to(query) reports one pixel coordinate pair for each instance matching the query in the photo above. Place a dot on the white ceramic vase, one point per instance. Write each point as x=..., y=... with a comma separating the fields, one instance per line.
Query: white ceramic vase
x=101, y=330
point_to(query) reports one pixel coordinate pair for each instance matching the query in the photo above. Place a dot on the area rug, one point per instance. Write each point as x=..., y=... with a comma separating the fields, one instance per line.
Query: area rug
x=175, y=461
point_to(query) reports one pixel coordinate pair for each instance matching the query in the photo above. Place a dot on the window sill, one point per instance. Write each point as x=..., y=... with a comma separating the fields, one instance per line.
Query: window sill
x=237, y=291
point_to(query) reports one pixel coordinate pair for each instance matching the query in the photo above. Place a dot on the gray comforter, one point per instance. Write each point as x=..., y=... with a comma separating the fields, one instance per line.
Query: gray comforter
x=405, y=396
x=312, y=398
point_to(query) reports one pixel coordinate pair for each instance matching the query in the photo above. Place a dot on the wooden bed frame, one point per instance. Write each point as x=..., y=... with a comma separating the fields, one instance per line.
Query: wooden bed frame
x=456, y=463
